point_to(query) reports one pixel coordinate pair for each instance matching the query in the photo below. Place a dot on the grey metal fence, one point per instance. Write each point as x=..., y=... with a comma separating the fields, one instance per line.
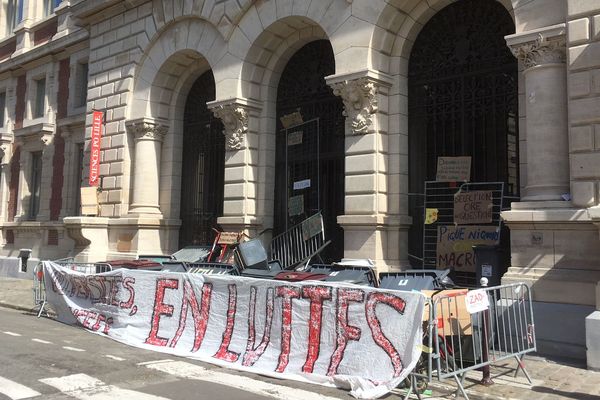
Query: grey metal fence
x=456, y=341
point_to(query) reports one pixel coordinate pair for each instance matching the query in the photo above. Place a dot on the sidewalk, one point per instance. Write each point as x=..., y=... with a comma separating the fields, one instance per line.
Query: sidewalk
x=552, y=379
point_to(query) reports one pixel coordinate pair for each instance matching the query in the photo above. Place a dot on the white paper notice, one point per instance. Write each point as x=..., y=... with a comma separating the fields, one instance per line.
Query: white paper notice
x=302, y=184
x=477, y=300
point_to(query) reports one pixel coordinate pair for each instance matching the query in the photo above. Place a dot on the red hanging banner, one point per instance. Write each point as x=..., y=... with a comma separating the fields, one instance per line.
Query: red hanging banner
x=95, y=147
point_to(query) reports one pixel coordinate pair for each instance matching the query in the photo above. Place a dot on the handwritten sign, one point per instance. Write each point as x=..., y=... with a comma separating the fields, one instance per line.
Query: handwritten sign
x=296, y=205
x=350, y=336
x=476, y=301
x=312, y=226
x=294, y=138
x=455, y=245
x=291, y=119
x=228, y=238
x=473, y=207
x=453, y=169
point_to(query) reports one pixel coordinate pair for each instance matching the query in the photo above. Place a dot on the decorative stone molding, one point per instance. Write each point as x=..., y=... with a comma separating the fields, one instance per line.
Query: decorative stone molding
x=47, y=139
x=539, y=47
x=235, y=115
x=235, y=124
x=359, y=93
x=147, y=129
x=360, y=102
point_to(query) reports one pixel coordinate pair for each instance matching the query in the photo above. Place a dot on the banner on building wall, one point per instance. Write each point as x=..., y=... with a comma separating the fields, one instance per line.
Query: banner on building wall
x=353, y=337
x=97, y=120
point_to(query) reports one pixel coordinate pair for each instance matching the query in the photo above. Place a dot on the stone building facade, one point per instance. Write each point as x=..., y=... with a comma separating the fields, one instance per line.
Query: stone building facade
x=161, y=70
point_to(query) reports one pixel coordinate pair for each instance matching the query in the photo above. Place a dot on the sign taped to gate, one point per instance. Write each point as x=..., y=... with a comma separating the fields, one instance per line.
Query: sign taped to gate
x=473, y=207
x=453, y=169
x=455, y=245
x=331, y=334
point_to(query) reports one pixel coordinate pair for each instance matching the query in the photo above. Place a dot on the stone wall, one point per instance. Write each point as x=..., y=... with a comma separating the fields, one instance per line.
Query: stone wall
x=584, y=100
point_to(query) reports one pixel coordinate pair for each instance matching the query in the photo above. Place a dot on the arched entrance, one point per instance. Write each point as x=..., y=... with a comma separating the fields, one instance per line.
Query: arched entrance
x=202, y=169
x=463, y=101
x=319, y=158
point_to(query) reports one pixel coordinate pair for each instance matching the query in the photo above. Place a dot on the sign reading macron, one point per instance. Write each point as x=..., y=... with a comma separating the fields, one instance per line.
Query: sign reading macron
x=455, y=245
x=355, y=337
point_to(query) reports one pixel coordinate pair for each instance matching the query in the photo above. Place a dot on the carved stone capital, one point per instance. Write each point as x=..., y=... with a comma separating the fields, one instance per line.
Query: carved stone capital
x=47, y=139
x=3, y=151
x=539, y=47
x=147, y=129
x=360, y=102
x=235, y=123
x=540, y=51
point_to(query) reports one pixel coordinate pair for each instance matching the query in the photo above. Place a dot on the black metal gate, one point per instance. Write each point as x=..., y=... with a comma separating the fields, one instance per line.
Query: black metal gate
x=203, y=163
x=463, y=101
x=302, y=166
x=302, y=88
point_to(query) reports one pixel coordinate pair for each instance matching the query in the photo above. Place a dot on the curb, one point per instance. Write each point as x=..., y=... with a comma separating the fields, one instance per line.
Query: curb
x=17, y=307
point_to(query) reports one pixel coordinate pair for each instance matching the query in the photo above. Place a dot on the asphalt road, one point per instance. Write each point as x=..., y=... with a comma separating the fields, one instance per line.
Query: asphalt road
x=44, y=359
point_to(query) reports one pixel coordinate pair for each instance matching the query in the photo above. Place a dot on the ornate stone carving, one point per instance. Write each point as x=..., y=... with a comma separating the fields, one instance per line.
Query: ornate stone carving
x=147, y=130
x=540, y=51
x=47, y=139
x=360, y=102
x=235, y=124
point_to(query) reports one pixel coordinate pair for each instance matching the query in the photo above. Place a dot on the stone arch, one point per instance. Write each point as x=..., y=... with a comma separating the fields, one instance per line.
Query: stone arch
x=284, y=29
x=265, y=61
x=185, y=45
x=398, y=26
x=177, y=55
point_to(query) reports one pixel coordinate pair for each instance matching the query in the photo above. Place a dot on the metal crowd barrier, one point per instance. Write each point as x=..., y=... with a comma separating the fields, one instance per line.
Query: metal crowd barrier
x=456, y=342
x=39, y=291
x=300, y=243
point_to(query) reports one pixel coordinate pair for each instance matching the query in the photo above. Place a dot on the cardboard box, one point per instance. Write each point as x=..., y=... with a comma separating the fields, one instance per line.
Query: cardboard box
x=451, y=312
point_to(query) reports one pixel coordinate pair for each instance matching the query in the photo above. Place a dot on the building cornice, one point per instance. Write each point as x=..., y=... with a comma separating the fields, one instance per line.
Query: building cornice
x=49, y=49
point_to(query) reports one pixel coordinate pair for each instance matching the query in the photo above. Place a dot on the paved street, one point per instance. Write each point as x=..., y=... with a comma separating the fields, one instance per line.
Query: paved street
x=44, y=359
x=41, y=358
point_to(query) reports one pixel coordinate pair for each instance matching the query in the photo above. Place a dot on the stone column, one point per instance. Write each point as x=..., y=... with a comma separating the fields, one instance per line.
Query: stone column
x=542, y=53
x=47, y=140
x=148, y=136
x=372, y=226
x=4, y=178
x=240, y=127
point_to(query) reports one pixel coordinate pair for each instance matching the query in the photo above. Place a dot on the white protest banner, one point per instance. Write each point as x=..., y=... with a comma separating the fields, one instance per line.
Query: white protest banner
x=353, y=337
x=476, y=301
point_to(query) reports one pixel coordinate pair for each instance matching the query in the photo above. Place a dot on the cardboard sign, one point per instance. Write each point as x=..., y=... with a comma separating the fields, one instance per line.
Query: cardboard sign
x=89, y=201
x=292, y=119
x=296, y=205
x=473, y=207
x=228, y=238
x=477, y=301
x=312, y=226
x=455, y=245
x=294, y=138
x=453, y=169
x=97, y=119
x=331, y=334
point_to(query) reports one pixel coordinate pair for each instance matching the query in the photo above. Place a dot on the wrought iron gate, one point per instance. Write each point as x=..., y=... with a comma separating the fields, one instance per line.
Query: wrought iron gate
x=463, y=101
x=203, y=163
x=302, y=168
x=302, y=88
